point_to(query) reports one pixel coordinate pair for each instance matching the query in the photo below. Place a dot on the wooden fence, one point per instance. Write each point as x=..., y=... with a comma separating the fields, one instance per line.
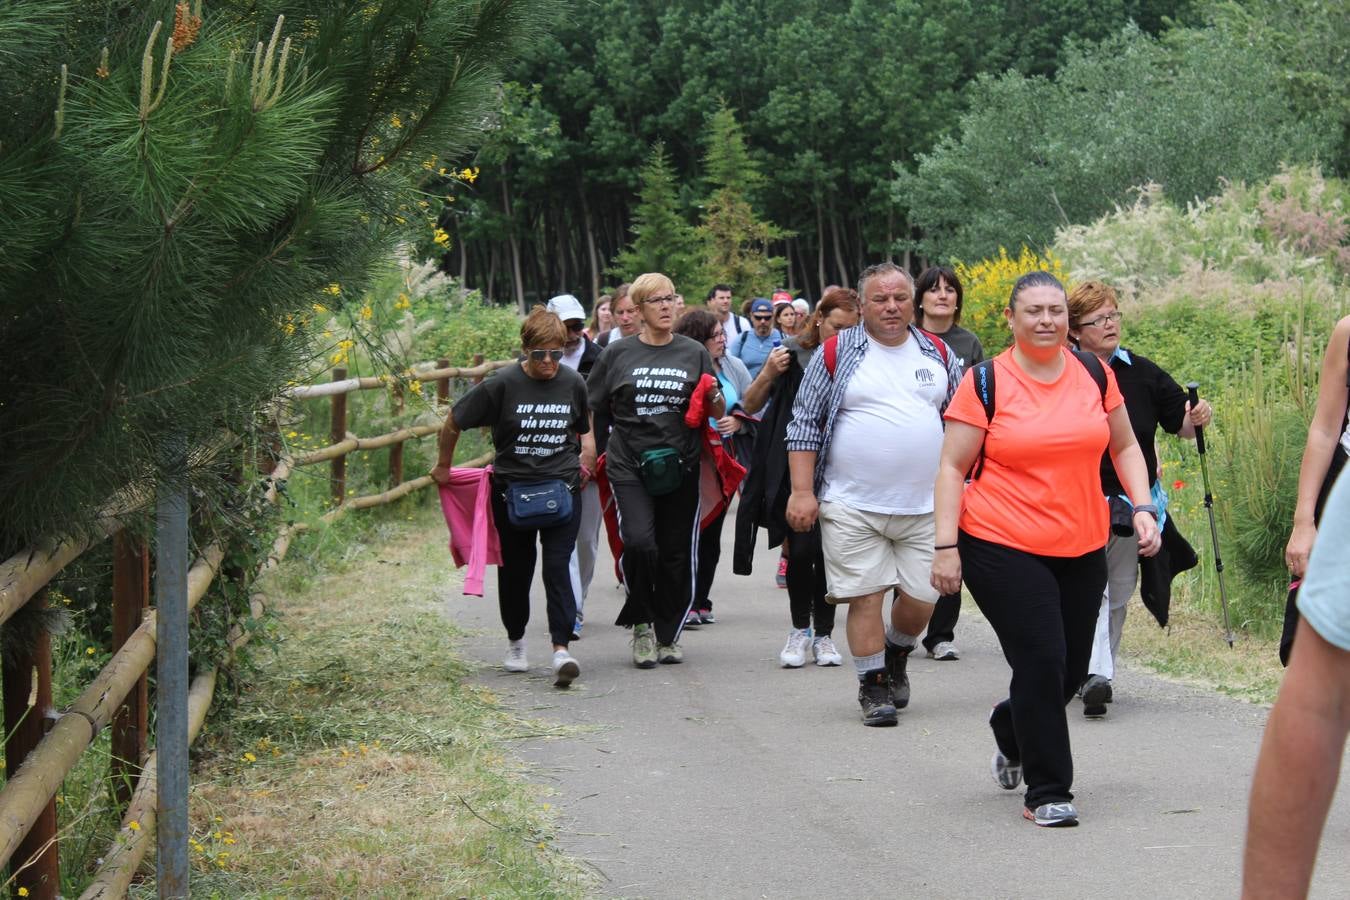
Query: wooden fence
x=43, y=745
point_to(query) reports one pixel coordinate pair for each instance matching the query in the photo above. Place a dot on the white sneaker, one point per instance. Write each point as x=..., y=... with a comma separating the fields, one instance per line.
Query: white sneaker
x=944, y=650
x=515, y=657
x=825, y=652
x=794, y=651
x=565, y=668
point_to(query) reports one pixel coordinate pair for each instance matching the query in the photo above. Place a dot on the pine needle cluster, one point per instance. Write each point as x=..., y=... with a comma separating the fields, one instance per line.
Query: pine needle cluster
x=179, y=187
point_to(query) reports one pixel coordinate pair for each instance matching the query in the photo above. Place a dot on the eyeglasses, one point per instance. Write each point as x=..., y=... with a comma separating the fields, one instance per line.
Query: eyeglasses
x=667, y=300
x=1101, y=320
x=575, y=324
x=762, y=318
x=541, y=355
x=718, y=336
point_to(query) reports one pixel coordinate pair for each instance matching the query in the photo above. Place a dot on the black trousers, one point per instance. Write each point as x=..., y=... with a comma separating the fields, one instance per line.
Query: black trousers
x=516, y=572
x=660, y=543
x=1044, y=611
x=709, y=554
x=806, y=582
x=942, y=624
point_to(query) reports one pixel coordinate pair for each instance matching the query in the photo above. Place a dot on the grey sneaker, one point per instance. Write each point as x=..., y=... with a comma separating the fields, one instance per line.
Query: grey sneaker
x=944, y=650
x=1052, y=815
x=565, y=668
x=515, y=660
x=644, y=647
x=825, y=652
x=896, y=660
x=1096, y=694
x=874, y=696
x=793, y=654
x=1007, y=773
x=669, y=654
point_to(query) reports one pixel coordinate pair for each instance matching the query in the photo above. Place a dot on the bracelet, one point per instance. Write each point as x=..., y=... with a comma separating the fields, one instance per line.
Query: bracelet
x=945, y=547
x=1147, y=508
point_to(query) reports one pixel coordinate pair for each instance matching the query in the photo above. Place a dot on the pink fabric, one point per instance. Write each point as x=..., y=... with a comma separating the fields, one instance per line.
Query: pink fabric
x=467, y=504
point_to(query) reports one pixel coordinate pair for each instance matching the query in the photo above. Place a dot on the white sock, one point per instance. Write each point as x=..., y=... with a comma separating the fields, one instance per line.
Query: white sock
x=865, y=664
x=898, y=639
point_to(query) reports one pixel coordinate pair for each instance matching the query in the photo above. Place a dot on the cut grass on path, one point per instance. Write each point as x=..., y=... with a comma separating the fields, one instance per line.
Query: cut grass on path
x=361, y=762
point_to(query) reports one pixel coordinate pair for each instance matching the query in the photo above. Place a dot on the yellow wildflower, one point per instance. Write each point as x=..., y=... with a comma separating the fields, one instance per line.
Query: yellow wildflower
x=23, y=892
x=429, y=164
x=249, y=758
x=89, y=651
x=334, y=288
x=320, y=308
x=395, y=121
x=403, y=302
x=469, y=175
x=367, y=312
x=292, y=434
x=440, y=236
x=134, y=825
x=415, y=387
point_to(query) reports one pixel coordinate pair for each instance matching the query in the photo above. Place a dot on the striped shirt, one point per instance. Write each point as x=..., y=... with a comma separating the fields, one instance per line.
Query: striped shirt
x=820, y=396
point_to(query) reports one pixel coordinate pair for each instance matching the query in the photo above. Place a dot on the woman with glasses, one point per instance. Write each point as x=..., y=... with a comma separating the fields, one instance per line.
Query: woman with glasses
x=1153, y=399
x=540, y=420
x=733, y=380
x=641, y=388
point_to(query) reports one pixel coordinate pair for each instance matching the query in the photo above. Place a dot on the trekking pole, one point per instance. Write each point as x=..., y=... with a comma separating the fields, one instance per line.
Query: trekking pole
x=1193, y=388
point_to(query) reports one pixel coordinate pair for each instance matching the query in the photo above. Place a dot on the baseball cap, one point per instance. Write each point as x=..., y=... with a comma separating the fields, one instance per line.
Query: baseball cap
x=760, y=304
x=781, y=297
x=565, y=307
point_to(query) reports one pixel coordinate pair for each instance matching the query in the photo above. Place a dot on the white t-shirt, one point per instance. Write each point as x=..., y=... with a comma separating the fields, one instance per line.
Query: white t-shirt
x=734, y=325
x=888, y=432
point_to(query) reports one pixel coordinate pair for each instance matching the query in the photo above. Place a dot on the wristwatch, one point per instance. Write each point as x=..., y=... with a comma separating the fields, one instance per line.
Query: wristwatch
x=1148, y=508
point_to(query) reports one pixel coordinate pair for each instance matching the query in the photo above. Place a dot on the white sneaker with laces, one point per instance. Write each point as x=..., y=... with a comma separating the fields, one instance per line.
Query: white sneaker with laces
x=515, y=657
x=826, y=654
x=793, y=655
x=944, y=650
x=565, y=668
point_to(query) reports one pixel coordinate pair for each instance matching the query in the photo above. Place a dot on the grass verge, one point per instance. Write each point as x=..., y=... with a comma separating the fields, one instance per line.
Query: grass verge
x=361, y=761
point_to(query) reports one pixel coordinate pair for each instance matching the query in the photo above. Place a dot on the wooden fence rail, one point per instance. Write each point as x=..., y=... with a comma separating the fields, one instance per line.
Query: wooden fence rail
x=43, y=756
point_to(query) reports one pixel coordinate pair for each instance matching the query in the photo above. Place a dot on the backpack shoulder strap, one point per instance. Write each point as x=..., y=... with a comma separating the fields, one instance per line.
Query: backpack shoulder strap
x=937, y=342
x=983, y=375
x=740, y=347
x=1095, y=368
x=831, y=351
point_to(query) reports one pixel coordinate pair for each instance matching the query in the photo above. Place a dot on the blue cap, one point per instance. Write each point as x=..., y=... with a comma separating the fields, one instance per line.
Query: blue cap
x=761, y=304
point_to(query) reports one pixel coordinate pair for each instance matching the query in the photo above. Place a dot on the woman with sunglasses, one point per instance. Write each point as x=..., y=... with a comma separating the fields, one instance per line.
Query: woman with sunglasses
x=641, y=388
x=540, y=421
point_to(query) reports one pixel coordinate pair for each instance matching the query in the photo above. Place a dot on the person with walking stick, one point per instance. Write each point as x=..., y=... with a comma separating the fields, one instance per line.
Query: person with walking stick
x=1153, y=400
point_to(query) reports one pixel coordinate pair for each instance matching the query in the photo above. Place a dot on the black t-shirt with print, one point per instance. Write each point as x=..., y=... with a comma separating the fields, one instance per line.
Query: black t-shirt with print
x=535, y=423
x=643, y=391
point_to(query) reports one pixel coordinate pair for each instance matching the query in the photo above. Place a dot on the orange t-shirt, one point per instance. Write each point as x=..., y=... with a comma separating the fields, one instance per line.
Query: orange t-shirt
x=1041, y=488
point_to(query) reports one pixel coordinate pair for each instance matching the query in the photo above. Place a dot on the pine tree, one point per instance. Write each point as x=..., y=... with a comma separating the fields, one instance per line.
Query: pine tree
x=183, y=191
x=662, y=240
x=735, y=240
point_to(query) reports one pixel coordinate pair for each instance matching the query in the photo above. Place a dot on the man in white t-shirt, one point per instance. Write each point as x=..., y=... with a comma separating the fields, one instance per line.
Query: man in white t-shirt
x=719, y=304
x=863, y=450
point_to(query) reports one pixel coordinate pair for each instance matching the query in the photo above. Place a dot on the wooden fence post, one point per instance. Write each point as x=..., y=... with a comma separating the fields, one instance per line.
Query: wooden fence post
x=338, y=434
x=478, y=361
x=270, y=451
x=442, y=384
x=131, y=598
x=26, y=704
x=396, y=451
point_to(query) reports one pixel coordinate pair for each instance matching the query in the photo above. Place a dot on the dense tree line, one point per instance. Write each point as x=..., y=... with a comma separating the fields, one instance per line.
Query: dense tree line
x=874, y=121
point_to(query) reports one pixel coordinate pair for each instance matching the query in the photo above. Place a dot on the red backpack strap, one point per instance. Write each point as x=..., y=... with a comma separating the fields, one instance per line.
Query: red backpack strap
x=937, y=342
x=831, y=351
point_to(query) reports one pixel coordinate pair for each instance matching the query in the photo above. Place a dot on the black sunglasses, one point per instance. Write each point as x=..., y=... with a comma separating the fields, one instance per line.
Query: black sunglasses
x=762, y=318
x=574, y=324
x=541, y=355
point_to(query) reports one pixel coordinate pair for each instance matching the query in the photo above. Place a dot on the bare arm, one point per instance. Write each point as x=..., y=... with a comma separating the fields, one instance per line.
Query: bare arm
x=757, y=394
x=802, y=506
x=446, y=439
x=1133, y=474
x=960, y=446
x=1297, y=770
x=588, y=453
x=1323, y=433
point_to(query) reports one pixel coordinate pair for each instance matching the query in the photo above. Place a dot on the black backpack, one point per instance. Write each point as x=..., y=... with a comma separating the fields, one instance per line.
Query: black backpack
x=983, y=374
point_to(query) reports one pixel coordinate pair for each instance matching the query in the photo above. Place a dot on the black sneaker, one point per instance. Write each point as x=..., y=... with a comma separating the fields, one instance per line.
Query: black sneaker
x=1096, y=694
x=874, y=696
x=896, y=660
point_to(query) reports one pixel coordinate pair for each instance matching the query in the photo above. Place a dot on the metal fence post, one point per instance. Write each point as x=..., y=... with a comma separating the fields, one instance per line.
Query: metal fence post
x=171, y=674
x=339, y=434
x=27, y=698
x=131, y=597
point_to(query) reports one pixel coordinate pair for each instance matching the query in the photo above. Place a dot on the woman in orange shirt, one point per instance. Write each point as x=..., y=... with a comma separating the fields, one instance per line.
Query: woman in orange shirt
x=1029, y=533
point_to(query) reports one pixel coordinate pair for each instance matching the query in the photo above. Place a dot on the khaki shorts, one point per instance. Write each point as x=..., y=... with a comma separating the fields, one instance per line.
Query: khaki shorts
x=869, y=552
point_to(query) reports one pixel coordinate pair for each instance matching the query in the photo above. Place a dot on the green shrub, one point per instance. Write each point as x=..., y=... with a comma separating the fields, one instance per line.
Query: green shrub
x=465, y=324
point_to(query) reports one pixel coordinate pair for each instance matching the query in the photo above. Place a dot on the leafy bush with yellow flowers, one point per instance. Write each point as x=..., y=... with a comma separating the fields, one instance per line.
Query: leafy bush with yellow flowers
x=986, y=286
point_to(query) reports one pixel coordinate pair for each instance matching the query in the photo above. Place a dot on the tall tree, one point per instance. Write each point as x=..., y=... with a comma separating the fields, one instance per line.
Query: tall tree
x=735, y=240
x=662, y=240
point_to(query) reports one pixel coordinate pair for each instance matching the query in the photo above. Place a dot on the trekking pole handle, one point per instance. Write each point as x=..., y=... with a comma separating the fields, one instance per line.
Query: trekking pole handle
x=1193, y=392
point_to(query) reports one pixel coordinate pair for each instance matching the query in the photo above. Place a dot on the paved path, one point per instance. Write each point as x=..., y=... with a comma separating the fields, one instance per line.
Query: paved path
x=729, y=777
